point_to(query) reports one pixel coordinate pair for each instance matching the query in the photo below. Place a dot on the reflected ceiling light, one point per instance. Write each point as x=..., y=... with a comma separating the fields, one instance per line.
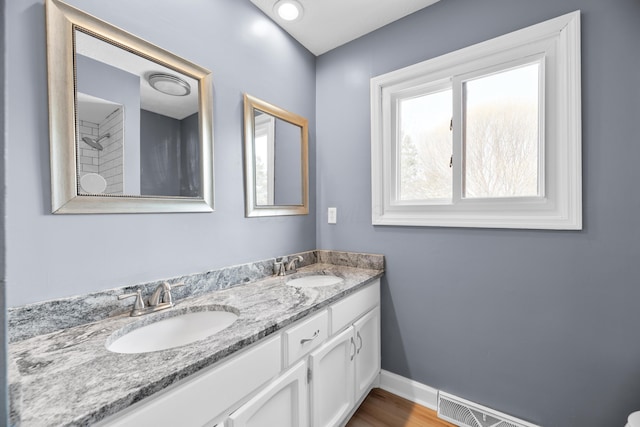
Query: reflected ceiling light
x=168, y=84
x=289, y=10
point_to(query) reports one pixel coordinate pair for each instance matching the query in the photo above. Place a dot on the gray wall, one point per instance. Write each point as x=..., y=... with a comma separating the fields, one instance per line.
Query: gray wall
x=231, y=38
x=539, y=324
x=4, y=404
x=288, y=167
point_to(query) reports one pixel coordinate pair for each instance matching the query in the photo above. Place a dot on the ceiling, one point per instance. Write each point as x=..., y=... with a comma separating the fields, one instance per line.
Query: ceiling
x=152, y=100
x=327, y=24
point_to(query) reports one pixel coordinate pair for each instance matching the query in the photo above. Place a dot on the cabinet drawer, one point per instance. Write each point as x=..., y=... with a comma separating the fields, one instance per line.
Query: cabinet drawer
x=200, y=399
x=306, y=336
x=344, y=312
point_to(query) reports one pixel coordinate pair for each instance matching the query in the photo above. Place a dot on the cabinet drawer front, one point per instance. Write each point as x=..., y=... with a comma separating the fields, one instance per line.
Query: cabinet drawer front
x=306, y=336
x=199, y=400
x=345, y=312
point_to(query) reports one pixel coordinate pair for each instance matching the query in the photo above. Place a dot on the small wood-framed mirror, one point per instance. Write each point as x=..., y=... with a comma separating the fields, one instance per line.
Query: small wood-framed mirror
x=276, y=160
x=130, y=124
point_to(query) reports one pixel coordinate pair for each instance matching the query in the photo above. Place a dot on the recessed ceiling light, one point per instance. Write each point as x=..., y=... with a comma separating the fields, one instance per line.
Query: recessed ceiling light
x=168, y=84
x=289, y=10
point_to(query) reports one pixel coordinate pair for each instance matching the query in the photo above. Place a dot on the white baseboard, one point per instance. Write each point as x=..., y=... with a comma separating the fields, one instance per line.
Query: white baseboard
x=409, y=389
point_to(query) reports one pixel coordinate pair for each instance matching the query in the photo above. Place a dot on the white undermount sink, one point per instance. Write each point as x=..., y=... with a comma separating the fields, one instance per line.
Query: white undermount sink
x=171, y=332
x=315, y=281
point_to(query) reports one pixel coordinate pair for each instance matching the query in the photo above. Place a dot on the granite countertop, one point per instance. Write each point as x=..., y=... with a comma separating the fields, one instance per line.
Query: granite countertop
x=68, y=377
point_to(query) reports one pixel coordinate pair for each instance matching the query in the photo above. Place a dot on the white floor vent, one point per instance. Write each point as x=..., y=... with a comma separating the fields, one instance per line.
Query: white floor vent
x=468, y=414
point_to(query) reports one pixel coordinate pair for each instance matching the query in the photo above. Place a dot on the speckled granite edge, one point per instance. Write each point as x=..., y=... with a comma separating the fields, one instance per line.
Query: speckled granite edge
x=15, y=394
x=69, y=378
x=49, y=316
x=351, y=259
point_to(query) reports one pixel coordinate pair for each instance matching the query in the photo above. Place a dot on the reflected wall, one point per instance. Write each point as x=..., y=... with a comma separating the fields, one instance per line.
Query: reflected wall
x=169, y=161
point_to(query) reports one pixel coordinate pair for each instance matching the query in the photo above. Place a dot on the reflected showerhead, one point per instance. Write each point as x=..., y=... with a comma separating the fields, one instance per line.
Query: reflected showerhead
x=95, y=143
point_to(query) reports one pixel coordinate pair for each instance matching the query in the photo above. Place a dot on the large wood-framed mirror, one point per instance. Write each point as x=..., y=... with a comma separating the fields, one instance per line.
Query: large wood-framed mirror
x=130, y=124
x=276, y=160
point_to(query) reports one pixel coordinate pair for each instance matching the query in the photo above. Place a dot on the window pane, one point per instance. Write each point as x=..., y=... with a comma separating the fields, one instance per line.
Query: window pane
x=424, y=147
x=501, y=134
x=261, y=148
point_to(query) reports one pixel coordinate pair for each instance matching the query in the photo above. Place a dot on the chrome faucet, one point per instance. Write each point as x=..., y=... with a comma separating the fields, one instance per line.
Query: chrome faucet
x=163, y=290
x=292, y=265
x=160, y=299
x=283, y=266
x=279, y=266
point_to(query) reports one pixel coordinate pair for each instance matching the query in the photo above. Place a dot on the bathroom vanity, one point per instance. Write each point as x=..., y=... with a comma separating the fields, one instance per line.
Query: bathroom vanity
x=301, y=355
x=316, y=369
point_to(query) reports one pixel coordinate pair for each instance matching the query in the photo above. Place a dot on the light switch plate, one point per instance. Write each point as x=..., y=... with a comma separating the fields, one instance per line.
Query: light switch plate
x=333, y=215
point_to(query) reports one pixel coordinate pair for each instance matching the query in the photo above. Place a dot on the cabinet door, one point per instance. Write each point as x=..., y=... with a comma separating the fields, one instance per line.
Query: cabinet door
x=367, y=340
x=204, y=397
x=283, y=403
x=332, y=383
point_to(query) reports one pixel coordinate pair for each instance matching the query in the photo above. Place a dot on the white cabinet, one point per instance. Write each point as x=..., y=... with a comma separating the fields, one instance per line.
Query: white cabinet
x=344, y=369
x=332, y=385
x=199, y=399
x=305, y=336
x=282, y=403
x=347, y=310
x=367, y=358
x=337, y=347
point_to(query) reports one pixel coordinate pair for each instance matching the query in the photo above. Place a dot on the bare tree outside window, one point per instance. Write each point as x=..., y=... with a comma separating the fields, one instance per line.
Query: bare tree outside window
x=425, y=148
x=501, y=134
x=500, y=139
x=261, y=175
x=424, y=165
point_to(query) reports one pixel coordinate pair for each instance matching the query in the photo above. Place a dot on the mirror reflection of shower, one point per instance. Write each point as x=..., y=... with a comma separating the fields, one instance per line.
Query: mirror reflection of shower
x=95, y=143
x=100, y=144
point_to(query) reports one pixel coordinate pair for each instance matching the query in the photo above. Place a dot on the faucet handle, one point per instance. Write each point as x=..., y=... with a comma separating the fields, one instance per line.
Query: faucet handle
x=139, y=303
x=175, y=285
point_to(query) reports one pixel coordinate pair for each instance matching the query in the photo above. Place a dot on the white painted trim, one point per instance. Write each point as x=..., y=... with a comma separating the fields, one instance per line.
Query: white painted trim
x=557, y=43
x=411, y=390
x=484, y=409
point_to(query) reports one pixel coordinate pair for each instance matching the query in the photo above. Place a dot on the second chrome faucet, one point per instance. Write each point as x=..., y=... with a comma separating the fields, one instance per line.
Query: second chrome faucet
x=160, y=299
x=283, y=266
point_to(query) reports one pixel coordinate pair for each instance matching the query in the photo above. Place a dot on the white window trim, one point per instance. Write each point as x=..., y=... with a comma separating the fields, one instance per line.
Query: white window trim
x=557, y=42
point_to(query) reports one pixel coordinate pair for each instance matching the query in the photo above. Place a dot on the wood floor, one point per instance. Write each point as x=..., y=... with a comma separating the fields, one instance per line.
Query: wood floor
x=383, y=409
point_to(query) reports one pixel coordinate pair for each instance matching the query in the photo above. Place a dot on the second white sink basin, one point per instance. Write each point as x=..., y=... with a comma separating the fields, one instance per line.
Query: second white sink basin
x=172, y=332
x=315, y=281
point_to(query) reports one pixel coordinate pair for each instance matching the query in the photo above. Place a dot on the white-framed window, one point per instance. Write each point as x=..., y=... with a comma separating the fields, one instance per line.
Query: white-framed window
x=486, y=136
